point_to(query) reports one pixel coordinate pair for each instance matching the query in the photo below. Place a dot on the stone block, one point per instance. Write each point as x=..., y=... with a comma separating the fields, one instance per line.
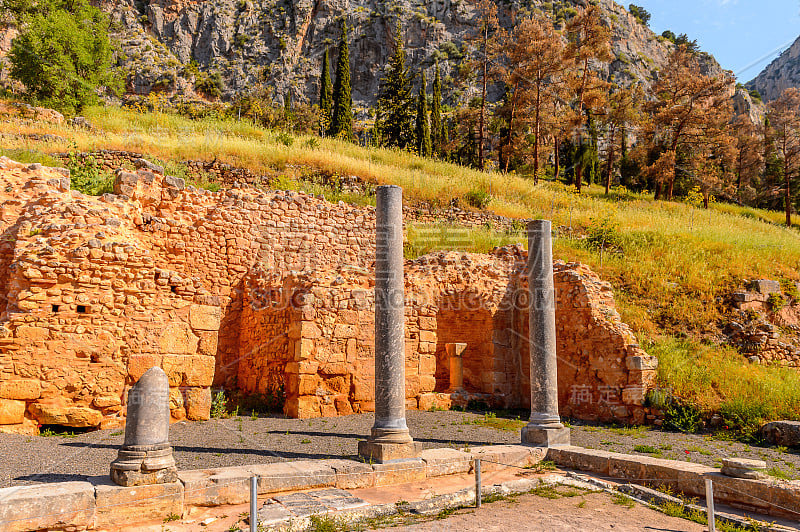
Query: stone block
x=30, y=333
x=435, y=401
x=641, y=363
x=57, y=411
x=216, y=487
x=766, y=286
x=21, y=389
x=119, y=504
x=387, y=452
x=289, y=476
x=302, y=407
x=208, y=344
x=581, y=459
x=197, y=402
x=743, y=468
x=753, y=495
x=139, y=364
x=399, y=471
x=496, y=457
x=189, y=370
x=12, y=412
x=351, y=474
x=786, y=433
x=427, y=383
x=205, y=317
x=56, y=506
x=545, y=437
x=441, y=462
x=177, y=337
x=427, y=365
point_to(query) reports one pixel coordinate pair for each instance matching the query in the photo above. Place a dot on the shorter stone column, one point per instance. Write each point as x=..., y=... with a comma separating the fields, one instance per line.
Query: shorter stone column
x=454, y=354
x=146, y=456
x=544, y=427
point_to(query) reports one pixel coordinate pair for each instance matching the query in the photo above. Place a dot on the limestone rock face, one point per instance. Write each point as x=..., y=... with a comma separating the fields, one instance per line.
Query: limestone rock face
x=781, y=74
x=283, y=41
x=786, y=433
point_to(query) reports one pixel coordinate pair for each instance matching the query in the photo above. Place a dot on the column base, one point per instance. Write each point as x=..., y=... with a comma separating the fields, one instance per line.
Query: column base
x=540, y=436
x=388, y=452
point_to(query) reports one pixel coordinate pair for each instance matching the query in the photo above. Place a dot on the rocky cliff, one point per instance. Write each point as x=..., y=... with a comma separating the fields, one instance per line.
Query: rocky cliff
x=281, y=42
x=781, y=74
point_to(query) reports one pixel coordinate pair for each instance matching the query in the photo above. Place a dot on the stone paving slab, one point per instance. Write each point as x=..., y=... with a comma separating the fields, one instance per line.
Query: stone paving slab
x=293, y=506
x=47, y=506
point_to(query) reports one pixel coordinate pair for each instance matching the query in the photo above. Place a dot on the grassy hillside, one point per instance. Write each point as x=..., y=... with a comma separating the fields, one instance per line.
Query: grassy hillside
x=671, y=264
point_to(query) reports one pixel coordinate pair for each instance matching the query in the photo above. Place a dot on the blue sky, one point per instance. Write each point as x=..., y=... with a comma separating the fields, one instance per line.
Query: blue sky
x=744, y=35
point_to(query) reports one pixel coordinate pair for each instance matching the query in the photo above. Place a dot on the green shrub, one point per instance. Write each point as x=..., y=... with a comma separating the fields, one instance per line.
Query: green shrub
x=478, y=198
x=682, y=416
x=603, y=233
x=219, y=405
x=789, y=288
x=776, y=302
x=87, y=177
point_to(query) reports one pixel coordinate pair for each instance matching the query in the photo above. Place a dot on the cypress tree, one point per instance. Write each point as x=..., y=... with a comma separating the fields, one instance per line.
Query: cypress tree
x=423, y=132
x=342, y=116
x=436, y=114
x=325, y=93
x=395, y=111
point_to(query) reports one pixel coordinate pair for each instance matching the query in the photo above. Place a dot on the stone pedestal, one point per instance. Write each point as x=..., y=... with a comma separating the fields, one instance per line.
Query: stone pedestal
x=146, y=456
x=390, y=438
x=454, y=354
x=544, y=427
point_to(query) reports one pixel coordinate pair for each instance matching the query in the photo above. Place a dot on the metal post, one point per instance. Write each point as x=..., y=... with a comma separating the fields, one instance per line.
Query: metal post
x=712, y=521
x=477, y=483
x=254, y=503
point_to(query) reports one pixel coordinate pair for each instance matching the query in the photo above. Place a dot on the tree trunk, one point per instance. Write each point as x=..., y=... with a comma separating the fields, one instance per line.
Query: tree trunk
x=557, y=170
x=787, y=194
x=481, y=130
x=536, y=132
x=510, y=137
x=658, y=190
x=610, y=162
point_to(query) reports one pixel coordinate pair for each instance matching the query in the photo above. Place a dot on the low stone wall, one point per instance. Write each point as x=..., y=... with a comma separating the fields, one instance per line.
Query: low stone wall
x=769, y=497
x=99, y=504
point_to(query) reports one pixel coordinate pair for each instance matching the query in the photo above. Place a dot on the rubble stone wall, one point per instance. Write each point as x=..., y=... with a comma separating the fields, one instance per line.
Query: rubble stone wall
x=260, y=290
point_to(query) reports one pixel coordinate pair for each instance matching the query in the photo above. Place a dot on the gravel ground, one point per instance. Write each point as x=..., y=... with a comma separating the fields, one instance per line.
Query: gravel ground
x=242, y=440
x=592, y=511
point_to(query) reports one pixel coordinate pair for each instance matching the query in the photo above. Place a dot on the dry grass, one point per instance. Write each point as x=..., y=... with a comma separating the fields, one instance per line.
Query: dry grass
x=670, y=263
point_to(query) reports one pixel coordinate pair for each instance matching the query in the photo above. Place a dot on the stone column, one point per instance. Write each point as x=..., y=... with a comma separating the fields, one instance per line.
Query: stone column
x=146, y=456
x=454, y=354
x=545, y=427
x=390, y=438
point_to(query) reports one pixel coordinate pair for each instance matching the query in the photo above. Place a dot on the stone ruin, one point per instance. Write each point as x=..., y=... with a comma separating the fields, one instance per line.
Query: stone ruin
x=260, y=291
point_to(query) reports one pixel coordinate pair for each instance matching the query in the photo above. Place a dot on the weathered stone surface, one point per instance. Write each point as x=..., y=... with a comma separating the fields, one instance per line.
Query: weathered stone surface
x=786, y=433
x=197, y=402
x=300, y=474
x=59, y=506
x=120, y=504
x=57, y=411
x=440, y=462
x=495, y=457
x=351, y=474
x=11, y=411
x=189, y=370
x=216, y=487
x=21, y=389
x=178, y=338
x=400, y=471
x=744, y=468
x=387, y=452
x=205, y=317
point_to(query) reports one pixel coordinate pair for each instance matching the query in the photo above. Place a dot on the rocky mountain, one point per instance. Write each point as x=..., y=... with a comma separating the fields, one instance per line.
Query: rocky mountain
x=281, y=42
x=781, y=74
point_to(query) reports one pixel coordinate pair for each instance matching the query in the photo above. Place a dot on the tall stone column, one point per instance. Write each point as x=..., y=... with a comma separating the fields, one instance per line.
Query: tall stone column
x=545, y=427
x=390, y=438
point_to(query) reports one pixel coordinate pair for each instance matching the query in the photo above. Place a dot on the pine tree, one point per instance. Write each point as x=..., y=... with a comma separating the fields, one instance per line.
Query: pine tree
x=325, y=93
x=342, y=115
x=436, y=114
x=395, y=111
x=423, y=132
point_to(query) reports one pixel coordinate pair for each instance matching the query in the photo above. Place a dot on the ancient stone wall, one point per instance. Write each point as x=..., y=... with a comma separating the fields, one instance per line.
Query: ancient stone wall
x=255, y=291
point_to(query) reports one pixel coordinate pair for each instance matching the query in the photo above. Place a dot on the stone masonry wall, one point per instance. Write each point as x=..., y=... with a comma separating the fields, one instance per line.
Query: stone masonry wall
x=260, y=290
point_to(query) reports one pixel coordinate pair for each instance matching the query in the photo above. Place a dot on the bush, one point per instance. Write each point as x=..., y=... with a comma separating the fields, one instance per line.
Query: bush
x=87, y=177
x=603, y=233
x=479, y=199
x=776, y=302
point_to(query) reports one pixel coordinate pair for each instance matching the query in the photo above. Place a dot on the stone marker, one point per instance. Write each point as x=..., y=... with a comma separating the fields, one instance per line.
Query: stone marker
x=454, y=353
x=545, y=427
x=390, y=439
x=146, y=456
x=744, y=468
